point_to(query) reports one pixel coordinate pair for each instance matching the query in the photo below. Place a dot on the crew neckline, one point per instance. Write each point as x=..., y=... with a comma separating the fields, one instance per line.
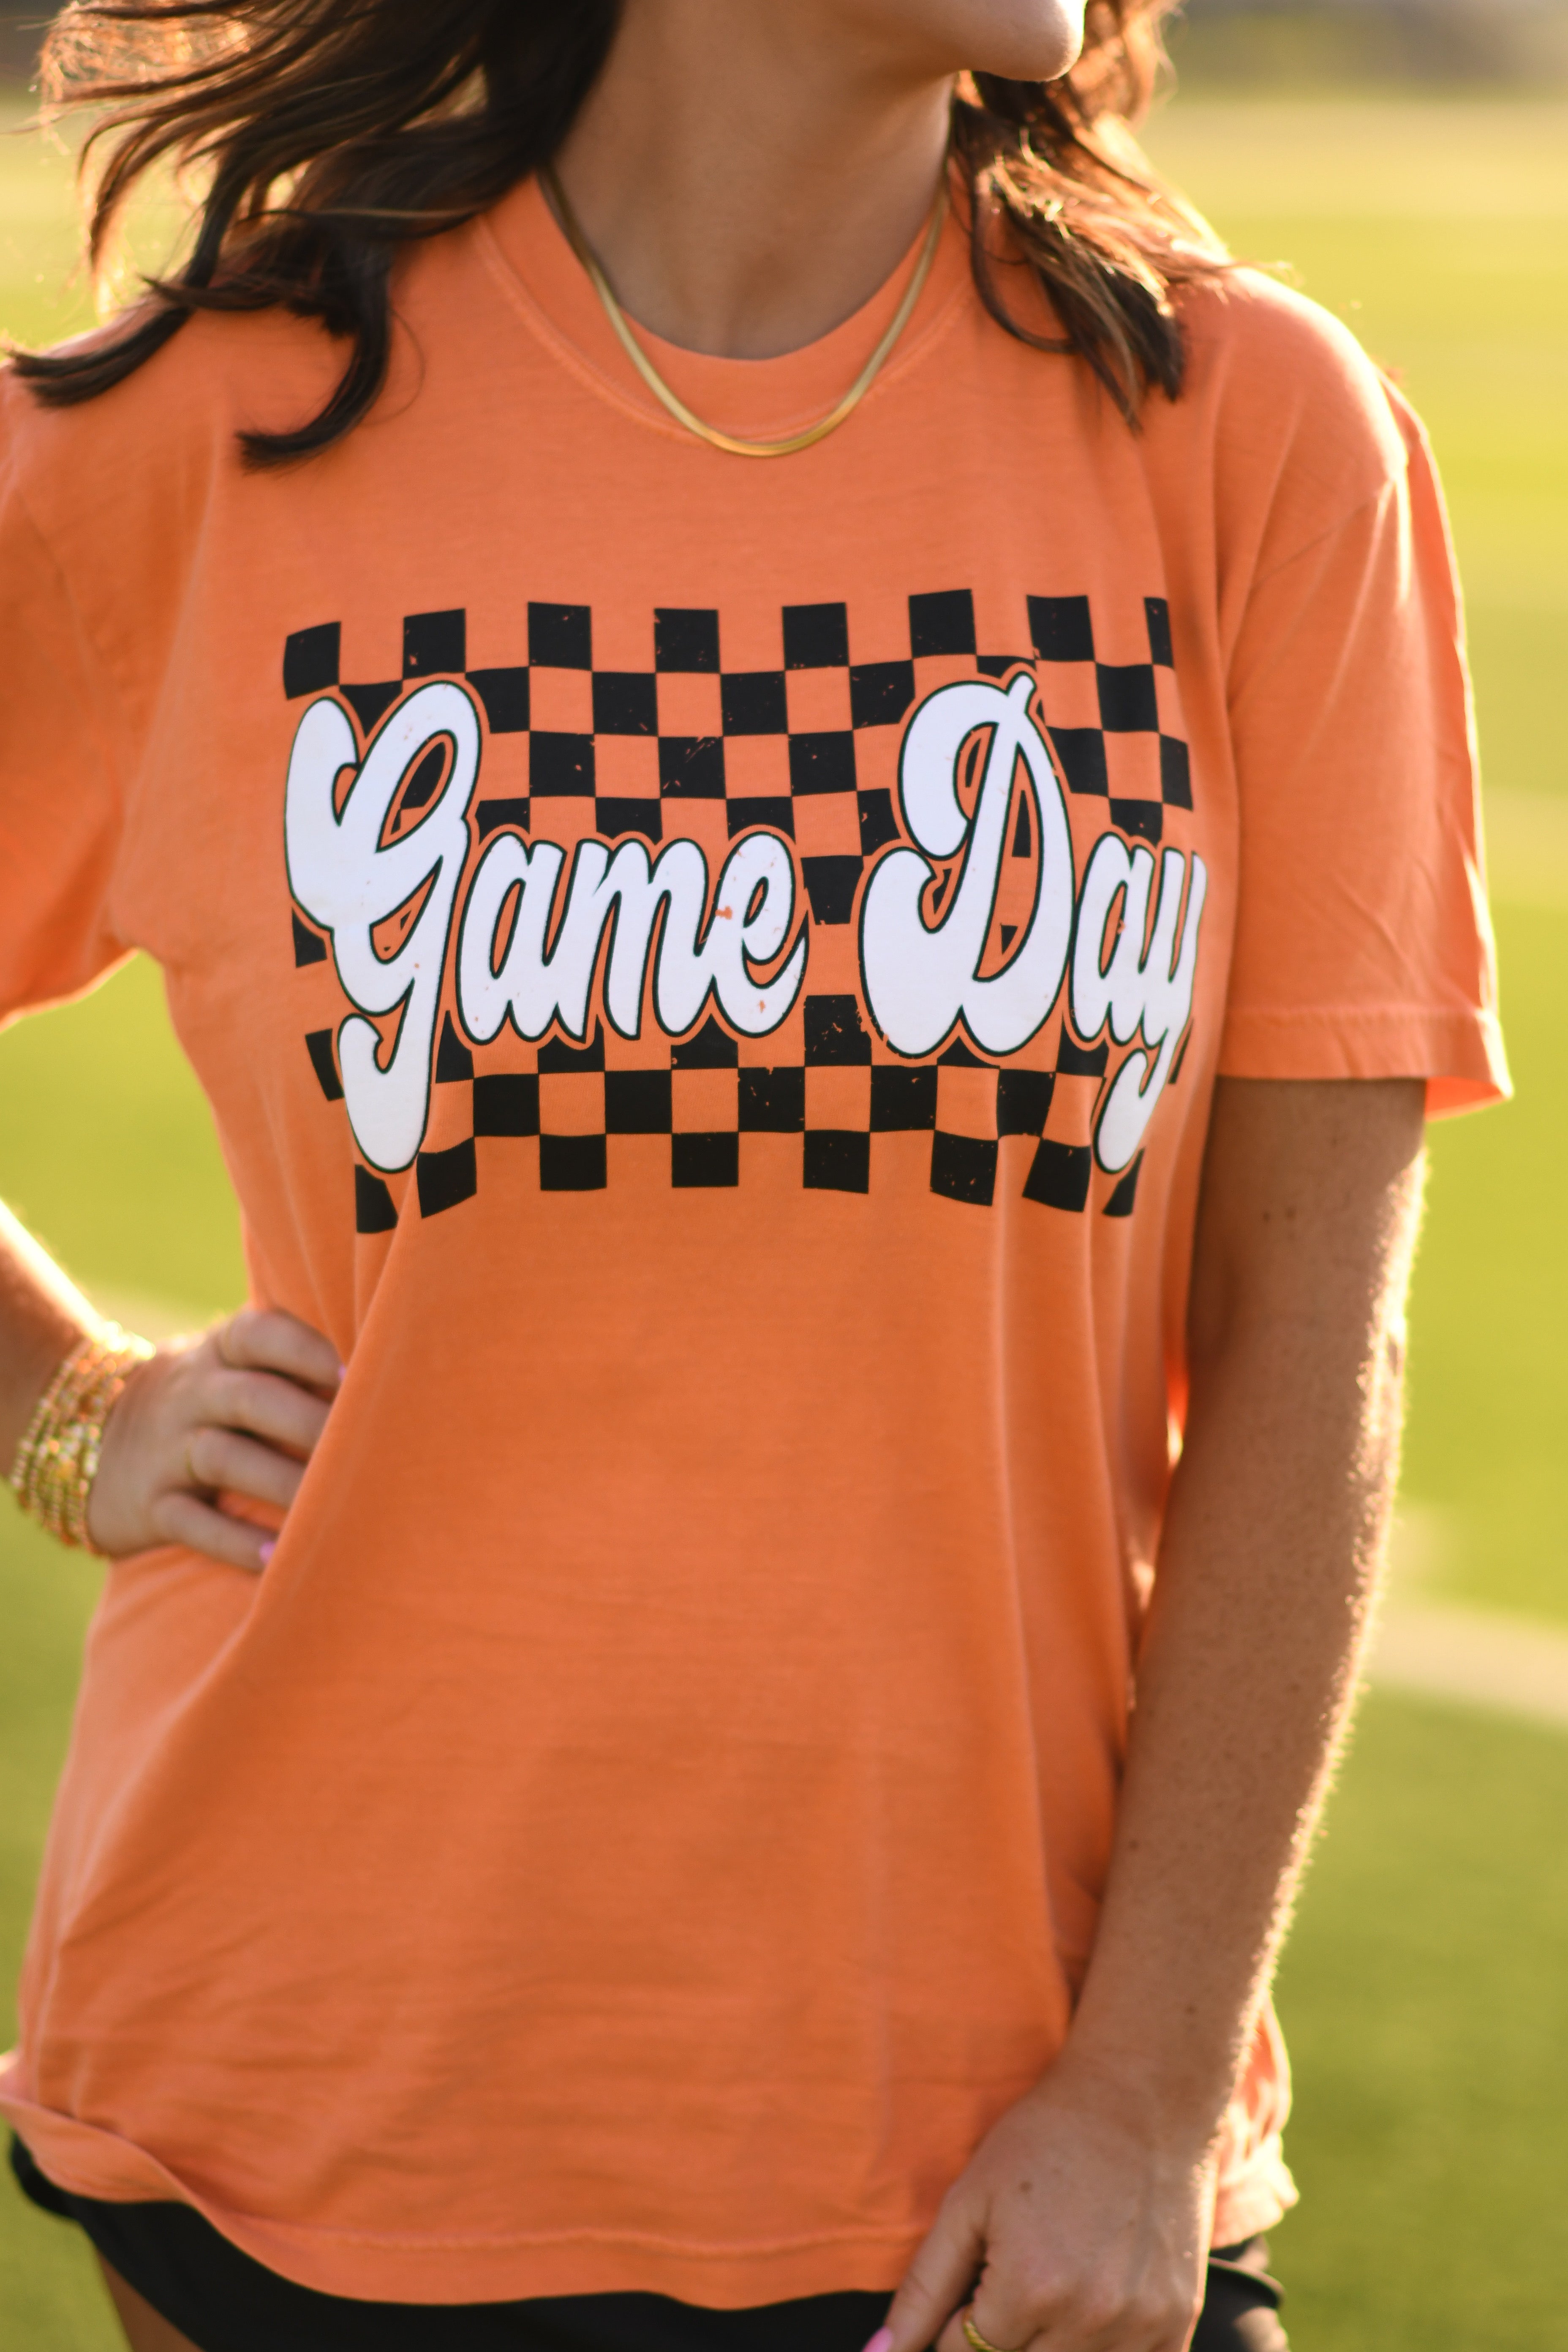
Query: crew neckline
x=529, y=254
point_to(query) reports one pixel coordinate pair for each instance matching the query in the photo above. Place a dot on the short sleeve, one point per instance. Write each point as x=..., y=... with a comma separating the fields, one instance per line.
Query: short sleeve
x=1363, y=947
x=60, y=808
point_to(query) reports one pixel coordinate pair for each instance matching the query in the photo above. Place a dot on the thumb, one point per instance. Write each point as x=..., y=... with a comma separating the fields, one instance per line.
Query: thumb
x=938, y=2282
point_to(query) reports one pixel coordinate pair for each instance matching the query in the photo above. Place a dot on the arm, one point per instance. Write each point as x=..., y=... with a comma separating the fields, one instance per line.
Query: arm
x=239, y=1409
x=42, y=1316
x=1089, y=2206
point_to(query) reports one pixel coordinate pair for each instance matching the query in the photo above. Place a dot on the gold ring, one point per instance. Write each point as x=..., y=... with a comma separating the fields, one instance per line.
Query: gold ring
x=973, y=2337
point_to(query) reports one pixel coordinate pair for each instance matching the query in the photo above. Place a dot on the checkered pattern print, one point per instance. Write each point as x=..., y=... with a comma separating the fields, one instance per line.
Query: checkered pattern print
x=808, y=750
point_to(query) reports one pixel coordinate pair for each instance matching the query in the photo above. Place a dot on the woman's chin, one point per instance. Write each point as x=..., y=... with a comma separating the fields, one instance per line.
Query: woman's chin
x=1022, y=40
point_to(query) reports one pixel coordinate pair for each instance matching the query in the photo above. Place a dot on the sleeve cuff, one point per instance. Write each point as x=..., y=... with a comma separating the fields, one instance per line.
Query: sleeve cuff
x=1459, y=1054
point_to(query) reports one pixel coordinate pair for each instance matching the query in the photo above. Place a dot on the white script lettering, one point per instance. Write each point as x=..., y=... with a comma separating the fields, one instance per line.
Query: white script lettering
x=753, y=908
x=919, y=978
x=1137, y=987
x=349, y=881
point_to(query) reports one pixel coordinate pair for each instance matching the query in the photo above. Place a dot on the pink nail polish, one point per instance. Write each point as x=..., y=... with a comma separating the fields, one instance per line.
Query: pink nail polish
x=882, y=2341
x=266, y=1551
x=342, y=1372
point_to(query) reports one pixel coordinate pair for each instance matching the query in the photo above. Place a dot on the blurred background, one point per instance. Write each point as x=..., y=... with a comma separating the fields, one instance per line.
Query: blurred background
x=1408, y=163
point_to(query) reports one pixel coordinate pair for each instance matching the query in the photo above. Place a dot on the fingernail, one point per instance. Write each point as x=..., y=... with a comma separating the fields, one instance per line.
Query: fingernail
x=266, y=1551
x=882, y=2341
x=342, y=1372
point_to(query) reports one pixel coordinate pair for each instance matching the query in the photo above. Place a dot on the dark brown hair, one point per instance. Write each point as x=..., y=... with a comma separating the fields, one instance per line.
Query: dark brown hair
x=333, y=132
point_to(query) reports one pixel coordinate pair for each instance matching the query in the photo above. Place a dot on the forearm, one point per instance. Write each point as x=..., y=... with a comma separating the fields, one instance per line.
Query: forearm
x=237, y=1412
x=42, y=1318
x=1274, y=1532
x=1273, y=1540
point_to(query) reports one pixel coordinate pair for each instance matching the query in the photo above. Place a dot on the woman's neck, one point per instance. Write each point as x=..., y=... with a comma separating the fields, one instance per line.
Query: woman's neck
x=750, y=171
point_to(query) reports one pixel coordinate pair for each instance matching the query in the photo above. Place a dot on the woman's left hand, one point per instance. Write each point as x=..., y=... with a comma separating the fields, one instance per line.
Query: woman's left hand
x=1080, y=2225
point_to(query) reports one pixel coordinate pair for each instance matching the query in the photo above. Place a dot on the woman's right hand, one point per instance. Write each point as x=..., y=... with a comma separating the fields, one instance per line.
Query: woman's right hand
x=237, y=1412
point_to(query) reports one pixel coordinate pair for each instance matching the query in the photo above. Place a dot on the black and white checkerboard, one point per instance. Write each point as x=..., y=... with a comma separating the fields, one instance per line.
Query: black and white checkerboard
x=736, y=748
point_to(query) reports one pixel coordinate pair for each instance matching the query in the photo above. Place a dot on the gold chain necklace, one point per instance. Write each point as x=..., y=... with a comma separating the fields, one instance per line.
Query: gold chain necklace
x=672, y=400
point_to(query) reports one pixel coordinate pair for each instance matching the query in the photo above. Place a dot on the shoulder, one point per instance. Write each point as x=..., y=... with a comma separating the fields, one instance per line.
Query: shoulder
x=144, y=454
x=1283, y=414
x=1280, y=364
x=109, y=508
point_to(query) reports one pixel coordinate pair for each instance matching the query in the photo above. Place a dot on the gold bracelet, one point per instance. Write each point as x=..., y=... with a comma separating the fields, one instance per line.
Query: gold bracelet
x=56, y=1462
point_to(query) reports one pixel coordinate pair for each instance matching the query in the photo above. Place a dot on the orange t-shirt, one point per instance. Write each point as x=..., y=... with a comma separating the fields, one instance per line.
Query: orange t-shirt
x=710, y=978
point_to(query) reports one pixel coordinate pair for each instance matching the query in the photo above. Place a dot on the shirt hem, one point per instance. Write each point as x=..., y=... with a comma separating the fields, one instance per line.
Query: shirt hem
x=1256, y=2199
x=1458, y=1053
x=368, y=2266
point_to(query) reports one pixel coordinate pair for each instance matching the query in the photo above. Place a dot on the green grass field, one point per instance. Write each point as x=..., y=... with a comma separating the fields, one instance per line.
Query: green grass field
x=1425, y=1989
x=1439, y=231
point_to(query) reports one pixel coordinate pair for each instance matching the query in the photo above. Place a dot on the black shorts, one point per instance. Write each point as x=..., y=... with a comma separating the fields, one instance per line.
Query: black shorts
x=226, y=2302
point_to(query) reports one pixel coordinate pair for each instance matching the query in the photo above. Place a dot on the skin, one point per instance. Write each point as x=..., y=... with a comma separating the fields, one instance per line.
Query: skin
x=750, y=171
x=238, y=1409
x=1082, y=2222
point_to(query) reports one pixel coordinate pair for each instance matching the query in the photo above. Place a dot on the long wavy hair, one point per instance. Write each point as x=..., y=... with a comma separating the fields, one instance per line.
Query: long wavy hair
x=325, y=135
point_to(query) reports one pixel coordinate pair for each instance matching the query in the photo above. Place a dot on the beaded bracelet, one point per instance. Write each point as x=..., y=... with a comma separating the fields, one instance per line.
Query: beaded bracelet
x=56, y=1462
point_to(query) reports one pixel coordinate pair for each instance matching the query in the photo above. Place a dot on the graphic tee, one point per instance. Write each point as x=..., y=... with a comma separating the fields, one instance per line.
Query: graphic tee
x=710, y=977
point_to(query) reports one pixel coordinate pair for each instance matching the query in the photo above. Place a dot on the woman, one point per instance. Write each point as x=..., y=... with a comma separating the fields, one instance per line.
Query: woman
x=778, y=1027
